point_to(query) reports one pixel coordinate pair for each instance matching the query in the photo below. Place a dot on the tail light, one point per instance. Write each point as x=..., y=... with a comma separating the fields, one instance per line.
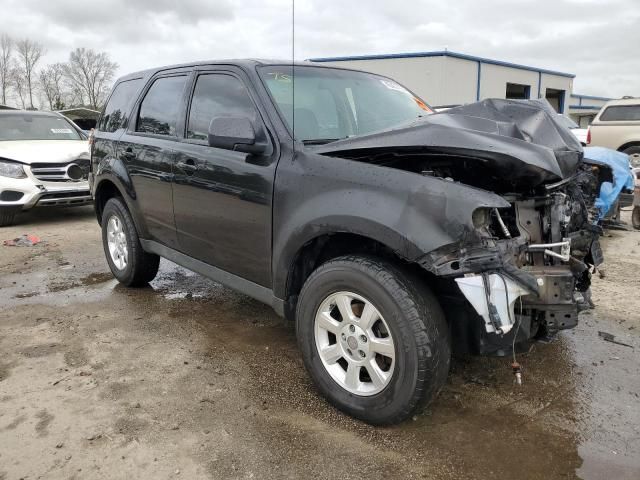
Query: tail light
x=589, y=136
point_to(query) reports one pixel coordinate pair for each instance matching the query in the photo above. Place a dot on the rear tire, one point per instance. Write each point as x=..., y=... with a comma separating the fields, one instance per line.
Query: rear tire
x=7, y=216
x=129, y=263
x=635, y=217
x=417, y=359
x=634, y=153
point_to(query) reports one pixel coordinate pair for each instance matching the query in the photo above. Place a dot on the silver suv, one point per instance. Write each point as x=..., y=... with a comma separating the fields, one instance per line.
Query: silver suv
x=44, y=160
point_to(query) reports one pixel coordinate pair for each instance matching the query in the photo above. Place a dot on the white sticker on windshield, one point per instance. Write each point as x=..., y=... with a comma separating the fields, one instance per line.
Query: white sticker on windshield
x=61, y=130
x=392, y=85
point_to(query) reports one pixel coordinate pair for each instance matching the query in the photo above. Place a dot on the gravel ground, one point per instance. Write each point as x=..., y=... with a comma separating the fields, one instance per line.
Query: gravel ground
x=187, y=379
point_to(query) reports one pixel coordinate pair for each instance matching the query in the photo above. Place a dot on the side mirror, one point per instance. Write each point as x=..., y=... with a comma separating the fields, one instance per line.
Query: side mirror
x=234, y=133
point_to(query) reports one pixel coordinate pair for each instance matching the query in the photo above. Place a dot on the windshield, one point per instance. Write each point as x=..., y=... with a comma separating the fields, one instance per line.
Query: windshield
x=567, y=122
x=36, y=127
x=332, y=104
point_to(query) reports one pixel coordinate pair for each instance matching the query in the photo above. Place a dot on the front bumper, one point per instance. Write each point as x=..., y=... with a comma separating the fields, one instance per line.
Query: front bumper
x=26, y=193
x=498, y=295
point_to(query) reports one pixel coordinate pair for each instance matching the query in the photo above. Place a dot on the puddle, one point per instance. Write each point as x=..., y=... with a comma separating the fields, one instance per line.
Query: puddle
x=176, y=283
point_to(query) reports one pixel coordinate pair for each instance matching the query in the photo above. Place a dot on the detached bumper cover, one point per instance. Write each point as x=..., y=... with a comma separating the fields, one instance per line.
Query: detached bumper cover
x=493, y=297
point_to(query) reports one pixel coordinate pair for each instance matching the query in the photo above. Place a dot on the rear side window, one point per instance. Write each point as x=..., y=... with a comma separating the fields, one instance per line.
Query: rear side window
x=621, y=113
x=118, y=107
x=159, y=109
x=217, y=95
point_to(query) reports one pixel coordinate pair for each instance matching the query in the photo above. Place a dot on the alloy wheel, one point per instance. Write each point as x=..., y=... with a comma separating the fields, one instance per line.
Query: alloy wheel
x=354, y=343
x=117, y=243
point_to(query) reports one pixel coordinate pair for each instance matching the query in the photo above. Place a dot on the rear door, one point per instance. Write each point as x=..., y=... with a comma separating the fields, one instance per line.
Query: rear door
x=223, y=198
x=113, y=121
x=147, y=149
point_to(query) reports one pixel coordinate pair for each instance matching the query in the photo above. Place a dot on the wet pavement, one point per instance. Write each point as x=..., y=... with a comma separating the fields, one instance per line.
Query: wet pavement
x=188, y=379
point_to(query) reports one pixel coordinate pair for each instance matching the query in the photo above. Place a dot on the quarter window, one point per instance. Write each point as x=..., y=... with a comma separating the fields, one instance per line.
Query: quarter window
x=217, y=95
x=117, y=110
x=621, y=113
x=159, y=109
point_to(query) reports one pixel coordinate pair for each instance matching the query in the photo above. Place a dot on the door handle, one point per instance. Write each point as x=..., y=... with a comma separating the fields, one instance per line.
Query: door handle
x=189, y=166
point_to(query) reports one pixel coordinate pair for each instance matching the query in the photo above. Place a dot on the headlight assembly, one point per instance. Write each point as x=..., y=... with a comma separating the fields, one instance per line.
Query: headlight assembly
x=11, y=170
x=481, y=217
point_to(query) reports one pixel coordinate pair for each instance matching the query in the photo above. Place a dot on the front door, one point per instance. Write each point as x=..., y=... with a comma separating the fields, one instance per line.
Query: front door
x=222, y=198
x=147, y=151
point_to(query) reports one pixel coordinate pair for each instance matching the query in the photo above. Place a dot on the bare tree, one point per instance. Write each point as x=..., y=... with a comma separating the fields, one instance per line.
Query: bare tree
x=29, y=54
x=51, y=79
x=90, y=74
x=6, y=65
x=20, y=85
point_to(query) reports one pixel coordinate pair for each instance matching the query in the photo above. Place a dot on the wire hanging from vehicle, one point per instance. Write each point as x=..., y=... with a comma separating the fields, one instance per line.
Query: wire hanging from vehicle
x=504, y=228
x=515, y=366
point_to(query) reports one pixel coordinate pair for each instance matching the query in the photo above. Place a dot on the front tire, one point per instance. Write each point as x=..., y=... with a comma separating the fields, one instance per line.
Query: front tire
x=129, y=263
x=7, y=216
x=373, y=338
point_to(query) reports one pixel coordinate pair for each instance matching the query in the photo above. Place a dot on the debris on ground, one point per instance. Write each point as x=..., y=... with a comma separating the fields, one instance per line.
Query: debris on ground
x=25, y=240
x=608, y=337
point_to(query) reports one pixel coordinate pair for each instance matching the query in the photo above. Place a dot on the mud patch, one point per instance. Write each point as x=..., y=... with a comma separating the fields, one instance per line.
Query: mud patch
x=96, y=278
x=130, y=427
x=5, y=370
x=42, y=350
x=15, y=422
x=44, y=419
x=61, y=287
x=26, y=295
x=76, y=358
x=116, y=391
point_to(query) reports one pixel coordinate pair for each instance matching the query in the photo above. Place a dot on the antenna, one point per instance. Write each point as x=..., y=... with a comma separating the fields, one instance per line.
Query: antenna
x=293, y=76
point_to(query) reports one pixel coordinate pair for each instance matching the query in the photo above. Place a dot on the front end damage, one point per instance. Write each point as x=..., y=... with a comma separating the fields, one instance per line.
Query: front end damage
x=524, y=272
x=529, y=275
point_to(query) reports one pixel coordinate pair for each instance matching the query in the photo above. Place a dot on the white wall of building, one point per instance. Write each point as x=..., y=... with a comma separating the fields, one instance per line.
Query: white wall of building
x=423, y=76
x=494, y=79
x=459, y=82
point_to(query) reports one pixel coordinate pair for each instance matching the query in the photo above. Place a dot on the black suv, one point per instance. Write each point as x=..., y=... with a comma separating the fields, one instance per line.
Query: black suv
x=389, y=234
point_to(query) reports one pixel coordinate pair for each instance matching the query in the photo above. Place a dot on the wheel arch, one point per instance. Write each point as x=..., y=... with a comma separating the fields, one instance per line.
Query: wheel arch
x=105, y=190
x=326, y=246
x=109, y=187
x=628, y=145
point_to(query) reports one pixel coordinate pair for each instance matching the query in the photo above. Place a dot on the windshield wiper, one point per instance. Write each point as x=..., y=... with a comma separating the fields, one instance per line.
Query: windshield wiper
x=320, y=141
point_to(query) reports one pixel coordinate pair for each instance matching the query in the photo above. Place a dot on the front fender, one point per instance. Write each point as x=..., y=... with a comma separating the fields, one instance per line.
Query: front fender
x=409, y=213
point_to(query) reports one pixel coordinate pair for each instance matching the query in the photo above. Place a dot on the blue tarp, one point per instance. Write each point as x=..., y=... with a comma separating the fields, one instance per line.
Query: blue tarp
x=622, y=176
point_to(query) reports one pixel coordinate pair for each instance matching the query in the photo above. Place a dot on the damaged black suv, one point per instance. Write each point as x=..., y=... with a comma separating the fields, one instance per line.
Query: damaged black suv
x=389, y=234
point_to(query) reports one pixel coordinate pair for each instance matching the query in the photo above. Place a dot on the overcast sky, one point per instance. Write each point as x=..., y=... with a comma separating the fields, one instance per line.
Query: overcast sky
x=598, y=40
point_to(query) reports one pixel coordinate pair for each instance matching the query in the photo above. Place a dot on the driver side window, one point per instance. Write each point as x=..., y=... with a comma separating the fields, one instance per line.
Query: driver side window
x=217, y=95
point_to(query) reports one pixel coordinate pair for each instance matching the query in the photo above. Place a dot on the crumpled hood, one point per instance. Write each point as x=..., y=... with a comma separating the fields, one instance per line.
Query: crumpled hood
x=44, y=151
x=521, y=138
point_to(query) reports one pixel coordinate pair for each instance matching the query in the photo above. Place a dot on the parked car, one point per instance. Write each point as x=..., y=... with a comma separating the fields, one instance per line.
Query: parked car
x=617, y=126
x=44, y=161
x=387, y=233
x=577, y=130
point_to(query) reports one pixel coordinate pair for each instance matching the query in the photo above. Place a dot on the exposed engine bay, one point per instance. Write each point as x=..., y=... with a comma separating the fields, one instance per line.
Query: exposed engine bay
x=524, y=271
